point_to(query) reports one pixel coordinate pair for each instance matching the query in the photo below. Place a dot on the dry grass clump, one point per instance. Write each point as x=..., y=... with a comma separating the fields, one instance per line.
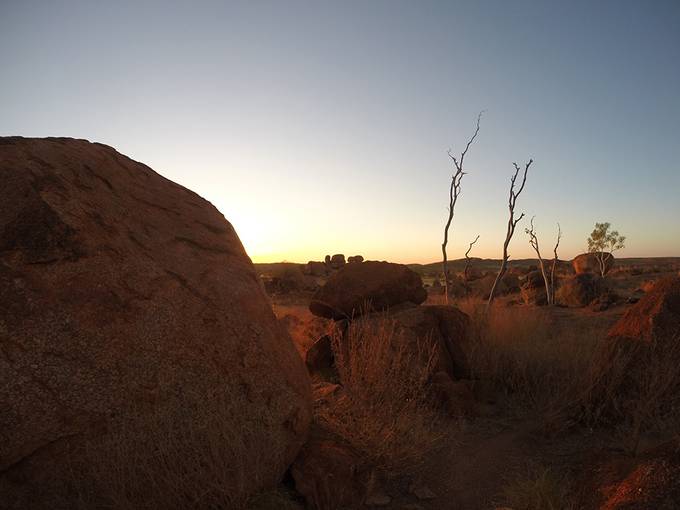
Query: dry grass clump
x=636, y=387
x=539, y=488
x=189, y=454
x=538, y=367
x=386, y=412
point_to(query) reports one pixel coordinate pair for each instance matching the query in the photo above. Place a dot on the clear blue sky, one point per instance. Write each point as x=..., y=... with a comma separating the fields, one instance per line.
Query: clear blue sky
x=320, y=127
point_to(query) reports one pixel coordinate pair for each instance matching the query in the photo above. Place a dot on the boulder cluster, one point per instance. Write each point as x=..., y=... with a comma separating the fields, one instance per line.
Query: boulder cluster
x=363, y=296
x=330, y=264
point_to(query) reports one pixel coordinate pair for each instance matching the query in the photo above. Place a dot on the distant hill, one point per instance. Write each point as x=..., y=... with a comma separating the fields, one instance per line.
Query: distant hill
x=489, y=264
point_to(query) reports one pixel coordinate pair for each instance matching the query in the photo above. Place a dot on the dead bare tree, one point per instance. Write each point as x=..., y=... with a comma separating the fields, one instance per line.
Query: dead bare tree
x=512, y=223
x=454, y=192
x=554, y=264
x=533, y=241
x=467, y=258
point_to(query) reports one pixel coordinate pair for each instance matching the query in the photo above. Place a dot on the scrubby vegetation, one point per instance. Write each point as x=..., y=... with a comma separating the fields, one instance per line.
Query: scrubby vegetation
x=386, y=412
x=182, y=455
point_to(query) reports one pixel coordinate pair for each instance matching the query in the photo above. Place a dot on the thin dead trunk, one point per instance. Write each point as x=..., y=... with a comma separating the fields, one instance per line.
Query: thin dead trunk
x=533, y=241
x=467, y=259
x=512, y=224
x=454, y=192
x=554, y=264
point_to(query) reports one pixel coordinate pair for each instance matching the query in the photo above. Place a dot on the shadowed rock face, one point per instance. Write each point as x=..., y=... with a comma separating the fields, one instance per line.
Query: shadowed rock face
x=121, y=291
x=380, y=284
x=580, y=290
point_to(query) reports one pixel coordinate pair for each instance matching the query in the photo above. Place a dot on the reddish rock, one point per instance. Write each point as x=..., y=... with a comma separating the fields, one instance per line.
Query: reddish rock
x=533, y=289
x=329, y=473
x=444, y=327
x=588, y=263
x=122, y=293
x=641, y=349
x=481, y=287
x=356, y=259
x=319, y=357
x=655, y=316
x=378, y=285
x=652, y=483
x=580, y=290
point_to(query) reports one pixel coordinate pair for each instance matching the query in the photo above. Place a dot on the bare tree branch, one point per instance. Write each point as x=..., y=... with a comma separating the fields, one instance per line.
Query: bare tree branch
x=554, y=263
x=512, y=223
x=467, y=258
x=454, y=193
x=533, y=241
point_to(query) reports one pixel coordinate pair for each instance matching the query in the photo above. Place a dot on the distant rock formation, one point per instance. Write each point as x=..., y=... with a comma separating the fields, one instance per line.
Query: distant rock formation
x=379, y=284
x=316, y=268
x=124, y=295
x=588, y=263
x=337, y=261
x=356, y=259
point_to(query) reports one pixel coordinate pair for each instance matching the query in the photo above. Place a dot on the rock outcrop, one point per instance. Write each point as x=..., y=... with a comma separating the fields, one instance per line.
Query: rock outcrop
x=580, y=290
x=421, y=329
x=653, y=483
x=640, y=354
x=588, y=263
x=337, y=261
x=656, y=317
x=377, y=285
x=533, y=289
x=122, y=294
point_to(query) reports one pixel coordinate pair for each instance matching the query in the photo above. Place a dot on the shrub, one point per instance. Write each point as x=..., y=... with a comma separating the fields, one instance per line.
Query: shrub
x=635, y=386
x=538, y=367
x=386, y=413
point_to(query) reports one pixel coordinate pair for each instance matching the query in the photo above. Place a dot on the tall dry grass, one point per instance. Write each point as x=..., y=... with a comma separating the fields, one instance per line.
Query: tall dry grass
x=188, y=454
x=536, y=366
x=570, y=376
x=635, y=387
x=386, y=412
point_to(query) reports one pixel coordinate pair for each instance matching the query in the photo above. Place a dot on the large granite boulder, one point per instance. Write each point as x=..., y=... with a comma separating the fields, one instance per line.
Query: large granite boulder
x=589, y=263
x=370, y=285
x=127, y=300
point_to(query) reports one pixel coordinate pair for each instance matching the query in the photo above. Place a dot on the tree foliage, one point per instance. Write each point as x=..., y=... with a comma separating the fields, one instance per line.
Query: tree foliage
x=603, y=242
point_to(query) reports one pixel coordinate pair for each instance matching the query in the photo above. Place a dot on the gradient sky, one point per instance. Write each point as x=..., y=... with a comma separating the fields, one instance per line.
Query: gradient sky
x=320, y=127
